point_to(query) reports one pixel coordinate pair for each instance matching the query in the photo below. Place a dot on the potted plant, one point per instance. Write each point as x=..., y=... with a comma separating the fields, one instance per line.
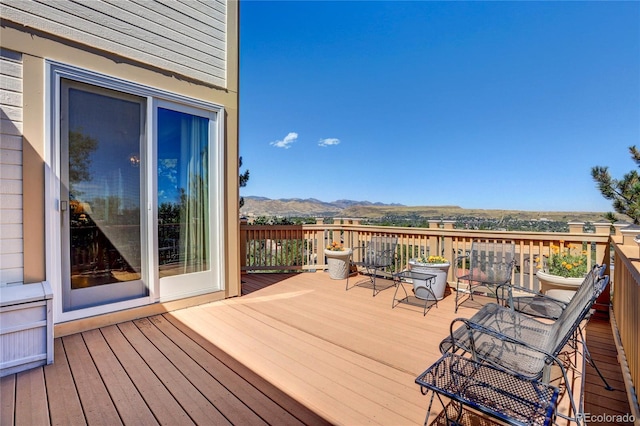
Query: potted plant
x=565, y=269
x=337, y=260
x=435, y=265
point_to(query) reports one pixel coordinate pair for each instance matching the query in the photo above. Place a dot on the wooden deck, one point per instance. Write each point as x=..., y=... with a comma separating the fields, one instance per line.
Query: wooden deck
x=300, y=351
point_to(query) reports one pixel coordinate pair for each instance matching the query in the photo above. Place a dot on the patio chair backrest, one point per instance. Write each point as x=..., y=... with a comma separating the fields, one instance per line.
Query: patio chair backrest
x=381, y=251
x=578, y=308
x=492, y=261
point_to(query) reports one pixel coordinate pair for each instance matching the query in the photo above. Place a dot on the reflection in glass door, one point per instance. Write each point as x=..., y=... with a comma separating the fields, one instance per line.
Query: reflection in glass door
x=184, y=224
x=101, y=180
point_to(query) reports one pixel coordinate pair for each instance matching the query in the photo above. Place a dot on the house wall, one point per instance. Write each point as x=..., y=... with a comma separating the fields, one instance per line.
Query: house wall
x=11, y=246
x=181, y=36
x=151, y=62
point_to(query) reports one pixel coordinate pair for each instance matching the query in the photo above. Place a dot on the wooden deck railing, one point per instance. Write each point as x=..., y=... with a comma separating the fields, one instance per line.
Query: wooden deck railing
x=625, y=303
x=300, y=247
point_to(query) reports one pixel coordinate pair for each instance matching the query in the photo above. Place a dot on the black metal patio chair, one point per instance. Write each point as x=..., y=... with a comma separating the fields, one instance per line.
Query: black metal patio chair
x=540, y=305
x=488, y=267
x=524, y=345
x=376, y=256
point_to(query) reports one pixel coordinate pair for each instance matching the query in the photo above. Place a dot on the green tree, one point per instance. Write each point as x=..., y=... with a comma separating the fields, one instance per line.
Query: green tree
x=81, y=147
x=243, y=179
x=625, y=193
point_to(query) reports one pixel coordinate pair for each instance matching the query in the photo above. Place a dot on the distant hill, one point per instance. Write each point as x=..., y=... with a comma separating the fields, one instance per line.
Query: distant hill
x=310, y=207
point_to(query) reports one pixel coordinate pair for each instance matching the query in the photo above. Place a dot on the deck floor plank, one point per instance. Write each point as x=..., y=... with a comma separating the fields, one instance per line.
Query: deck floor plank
x=7, y=400
x=225, y=401
x=158, y=398
x=130, y=405
x=64, y=404
x=279, y=361
x=597, y=399
x=360, y=341
x=96, y=402
x=187, y=395
x=234, y=383
x=293, y=407
x=31, y=398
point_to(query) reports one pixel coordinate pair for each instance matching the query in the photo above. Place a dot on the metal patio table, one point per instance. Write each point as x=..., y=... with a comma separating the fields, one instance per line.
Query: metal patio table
x=513, y=399
x=421, y=294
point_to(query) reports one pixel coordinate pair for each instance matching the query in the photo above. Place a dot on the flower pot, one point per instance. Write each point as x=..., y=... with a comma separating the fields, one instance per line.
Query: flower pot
x=440, y=270
x=548, y=282
x=338, y=263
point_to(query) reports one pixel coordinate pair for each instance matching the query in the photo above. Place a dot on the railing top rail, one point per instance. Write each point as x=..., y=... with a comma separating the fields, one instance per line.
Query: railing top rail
x=474, y=234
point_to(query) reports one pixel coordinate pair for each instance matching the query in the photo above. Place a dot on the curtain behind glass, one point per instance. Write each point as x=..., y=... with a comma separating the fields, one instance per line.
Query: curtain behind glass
x=195, y=224
x=183, y=193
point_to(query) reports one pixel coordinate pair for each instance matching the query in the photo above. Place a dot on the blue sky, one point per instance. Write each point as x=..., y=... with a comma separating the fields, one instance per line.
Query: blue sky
x=490, y=105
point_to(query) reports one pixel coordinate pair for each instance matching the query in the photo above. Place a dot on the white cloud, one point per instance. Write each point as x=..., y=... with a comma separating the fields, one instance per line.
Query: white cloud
x=328, y=142
x=286, y=142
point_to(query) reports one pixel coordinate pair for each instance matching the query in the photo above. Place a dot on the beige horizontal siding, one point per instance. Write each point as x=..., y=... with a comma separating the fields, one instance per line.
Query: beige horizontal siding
x=180, y=36
x=11, y=218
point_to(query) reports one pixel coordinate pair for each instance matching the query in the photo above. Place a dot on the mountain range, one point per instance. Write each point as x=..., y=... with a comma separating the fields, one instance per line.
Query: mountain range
x=307, y=207
x=255, y=206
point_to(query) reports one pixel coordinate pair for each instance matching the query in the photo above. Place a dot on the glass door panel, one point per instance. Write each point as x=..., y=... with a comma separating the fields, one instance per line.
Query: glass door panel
x=184, y=201
x=101, y=196
x=183, y=193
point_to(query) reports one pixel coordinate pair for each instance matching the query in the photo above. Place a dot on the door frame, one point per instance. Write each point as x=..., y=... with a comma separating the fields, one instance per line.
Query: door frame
x=54, y=72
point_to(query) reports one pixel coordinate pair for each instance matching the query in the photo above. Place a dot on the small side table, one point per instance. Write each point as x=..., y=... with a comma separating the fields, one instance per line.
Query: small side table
x=422, y=295
x=513, y=399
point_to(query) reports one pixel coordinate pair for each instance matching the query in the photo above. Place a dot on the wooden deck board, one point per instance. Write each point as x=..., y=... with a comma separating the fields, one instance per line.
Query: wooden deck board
x=220, y=397
x=296, y=349
x=64, y=403
x=7, y=400
x=31, y=397
x=187, y=395
x=157, y=397
x=269, y=392
x=229, y=382
x=597, y=399
x=97, y=404
x=125, y=396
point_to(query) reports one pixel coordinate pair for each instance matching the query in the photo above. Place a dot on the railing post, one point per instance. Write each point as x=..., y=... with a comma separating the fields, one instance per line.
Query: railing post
x=628, y=235
x=603, y=251
x=434, y=223
x=433, y=242
x=619, y=226
x=576, y=227
x=348, y=234
x=336, y=232
x=355, y=236
x=602, y=228
x=243, y=244
x=603, y=257
x=447, y=247
x=319, y=242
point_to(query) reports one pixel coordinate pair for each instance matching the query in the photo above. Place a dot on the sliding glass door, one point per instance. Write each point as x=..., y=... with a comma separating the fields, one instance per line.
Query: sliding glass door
x=184, y=200
x=138, y=195
x=100, y=196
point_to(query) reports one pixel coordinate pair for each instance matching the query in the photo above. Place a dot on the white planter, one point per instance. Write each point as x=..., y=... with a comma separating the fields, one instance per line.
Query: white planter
x=440, y=270
x=548, y=282
x=338, y=263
